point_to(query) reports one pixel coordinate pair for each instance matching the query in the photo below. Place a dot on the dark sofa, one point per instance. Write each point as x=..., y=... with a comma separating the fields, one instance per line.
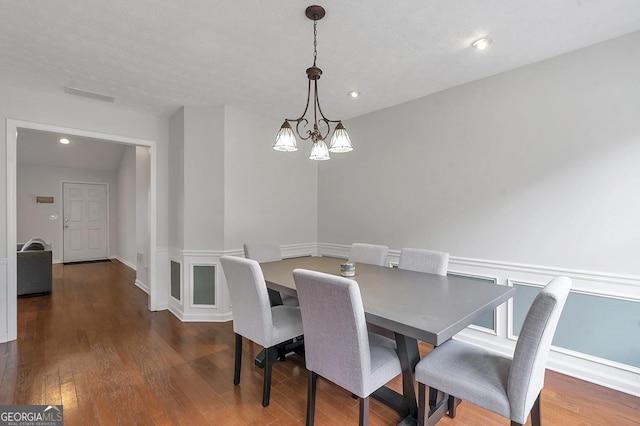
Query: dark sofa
x=34, y=268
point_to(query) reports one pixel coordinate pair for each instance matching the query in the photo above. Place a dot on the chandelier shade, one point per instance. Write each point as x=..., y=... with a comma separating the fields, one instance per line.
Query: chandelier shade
x=340, y=141
x=285, y=139
x=321, y=125
x=319, y=151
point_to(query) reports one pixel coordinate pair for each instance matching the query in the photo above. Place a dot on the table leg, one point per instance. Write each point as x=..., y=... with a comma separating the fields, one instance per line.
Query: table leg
x=404, y=403
x=409, y=357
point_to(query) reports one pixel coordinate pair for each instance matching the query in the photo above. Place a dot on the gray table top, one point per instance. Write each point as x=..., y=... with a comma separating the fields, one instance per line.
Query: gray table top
x=428, y=307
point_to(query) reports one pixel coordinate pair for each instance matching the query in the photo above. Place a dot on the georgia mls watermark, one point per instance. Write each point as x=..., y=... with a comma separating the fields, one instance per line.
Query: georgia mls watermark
x=31, y=415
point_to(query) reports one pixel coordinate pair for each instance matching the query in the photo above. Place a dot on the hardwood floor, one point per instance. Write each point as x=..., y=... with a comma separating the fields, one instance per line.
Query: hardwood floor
x=93, y=346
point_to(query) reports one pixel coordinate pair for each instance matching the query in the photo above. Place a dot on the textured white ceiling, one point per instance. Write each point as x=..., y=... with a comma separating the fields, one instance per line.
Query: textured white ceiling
x=37, y=148
x=157, y=55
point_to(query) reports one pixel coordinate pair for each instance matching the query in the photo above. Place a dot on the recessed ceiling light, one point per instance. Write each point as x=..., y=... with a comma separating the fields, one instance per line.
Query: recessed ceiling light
x=481, y=43
x=64, y=141
x=353, y=94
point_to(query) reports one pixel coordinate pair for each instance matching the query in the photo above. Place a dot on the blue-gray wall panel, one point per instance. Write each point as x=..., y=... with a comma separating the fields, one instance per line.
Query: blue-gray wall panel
x=600, y=326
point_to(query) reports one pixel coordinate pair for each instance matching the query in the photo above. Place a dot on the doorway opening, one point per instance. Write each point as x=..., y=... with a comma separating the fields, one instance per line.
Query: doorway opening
x=12, y=139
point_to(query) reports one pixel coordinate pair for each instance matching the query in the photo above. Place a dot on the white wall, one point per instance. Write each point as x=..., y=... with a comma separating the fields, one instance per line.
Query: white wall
x=33, y=219
x=126, y=219
x=176, y=180
x=142, y=215
x=78, y=113
x=58, y=109
x=538, y=165
x=269, y=195
x=203, y=177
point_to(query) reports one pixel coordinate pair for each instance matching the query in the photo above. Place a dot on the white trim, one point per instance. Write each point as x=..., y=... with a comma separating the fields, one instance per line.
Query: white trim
x=201, y=317
x=10, y=290
x=3, y=282
x=288, y=251
x=334, y=250
x=125, y=262
x=600, y=277
x=142, y=286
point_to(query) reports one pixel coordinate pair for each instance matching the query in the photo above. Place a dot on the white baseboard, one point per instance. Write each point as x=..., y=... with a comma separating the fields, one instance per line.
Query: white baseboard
x=142, y=286
x=125, y=262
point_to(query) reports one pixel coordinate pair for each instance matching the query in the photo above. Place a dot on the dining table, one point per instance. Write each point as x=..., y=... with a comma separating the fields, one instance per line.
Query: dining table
x=413, y=306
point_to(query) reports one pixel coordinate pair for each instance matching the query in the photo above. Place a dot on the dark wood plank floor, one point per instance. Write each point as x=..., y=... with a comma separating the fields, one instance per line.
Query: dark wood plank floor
x=93, y=346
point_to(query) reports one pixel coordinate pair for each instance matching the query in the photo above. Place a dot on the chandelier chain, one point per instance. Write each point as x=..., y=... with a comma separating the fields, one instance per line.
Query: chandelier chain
x=315, y=42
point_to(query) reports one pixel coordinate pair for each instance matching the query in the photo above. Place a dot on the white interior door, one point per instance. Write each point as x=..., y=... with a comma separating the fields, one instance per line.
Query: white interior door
x=84, y=221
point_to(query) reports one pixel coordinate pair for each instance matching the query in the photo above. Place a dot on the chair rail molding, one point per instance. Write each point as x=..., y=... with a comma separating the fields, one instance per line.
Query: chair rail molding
x=605, y=372
x=185, y=309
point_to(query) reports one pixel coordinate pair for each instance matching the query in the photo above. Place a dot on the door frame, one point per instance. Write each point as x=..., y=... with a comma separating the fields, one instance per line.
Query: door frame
x=108, y=206
x=11, y=162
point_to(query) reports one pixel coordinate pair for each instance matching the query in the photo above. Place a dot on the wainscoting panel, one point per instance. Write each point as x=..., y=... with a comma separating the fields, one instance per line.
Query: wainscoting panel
x=203, y=290
x=602, y=306
x=599, y=326
x=176, y=280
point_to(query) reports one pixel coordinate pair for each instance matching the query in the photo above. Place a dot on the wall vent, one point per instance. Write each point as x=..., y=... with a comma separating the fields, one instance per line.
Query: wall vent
x=87, y=94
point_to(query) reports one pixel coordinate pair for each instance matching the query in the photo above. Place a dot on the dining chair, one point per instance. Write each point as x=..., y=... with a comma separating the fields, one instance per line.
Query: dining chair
x=255, y=318
x=369, y=253
x=420, y=260
x=337, y=345
x=269, y=252
x=508, y=387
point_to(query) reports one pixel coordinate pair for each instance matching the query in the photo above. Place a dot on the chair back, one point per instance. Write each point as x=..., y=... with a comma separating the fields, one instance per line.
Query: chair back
x=248, y=290
x=526, y=377
x=335, y=331
x=428, y=261
x=369, y=253
x=263, y=252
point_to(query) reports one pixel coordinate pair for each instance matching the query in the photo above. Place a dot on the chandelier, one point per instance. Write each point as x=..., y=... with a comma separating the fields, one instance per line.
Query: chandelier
x=286, y=140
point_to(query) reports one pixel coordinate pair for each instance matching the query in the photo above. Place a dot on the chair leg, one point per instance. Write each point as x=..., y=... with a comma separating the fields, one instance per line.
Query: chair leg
x=536, y=414
x=268, y=364
x=453, y=403
x=311, y=397
x=238, y=363
x=364, y=411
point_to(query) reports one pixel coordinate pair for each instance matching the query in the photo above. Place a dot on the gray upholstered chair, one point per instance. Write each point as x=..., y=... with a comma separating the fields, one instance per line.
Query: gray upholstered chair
x=420, y=260
x=369, y=253
x=510, y=388
x=337, y=345
x=255, y=318
x=269, y=252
